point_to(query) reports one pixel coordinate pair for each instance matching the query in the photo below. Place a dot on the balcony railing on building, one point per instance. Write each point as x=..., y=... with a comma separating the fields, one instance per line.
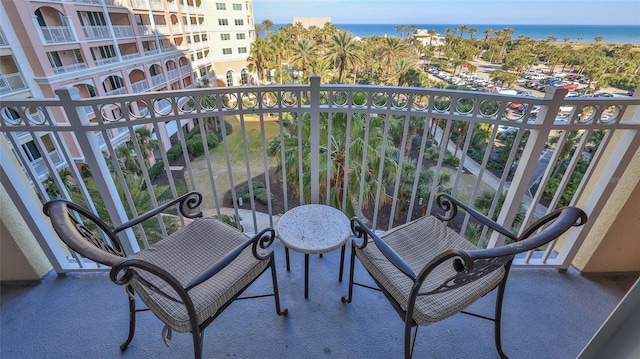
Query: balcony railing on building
x=145, y=30
x=57, y=34
x=123, y=31
x=173, y=74
x=139, y=4
x=158, y=80
x=411, y=127
x=118, y=91
x=131, y=56
x=140, y=86
x=96, y=32
x=3, y=39
x=151, y=52
x=69, y=67
x=106, y=61
x=11, y=83
x=162, y=29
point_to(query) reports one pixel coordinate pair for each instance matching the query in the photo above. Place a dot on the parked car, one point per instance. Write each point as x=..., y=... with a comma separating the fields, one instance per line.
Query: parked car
x=570, y=87
x=603, y=94
x=631, y=92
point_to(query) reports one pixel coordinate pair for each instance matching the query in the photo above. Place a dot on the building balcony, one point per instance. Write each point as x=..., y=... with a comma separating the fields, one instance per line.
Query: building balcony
x=69, y=68
x=118, y=91
x=106, y=61
x=123, y=31
x=11, y=83
x=57, y=34
x=140, y=86
x=145, y=30
x=131, y=56
x=345, y=133
x=96, y=32
x=151, y=52
x=158, y=80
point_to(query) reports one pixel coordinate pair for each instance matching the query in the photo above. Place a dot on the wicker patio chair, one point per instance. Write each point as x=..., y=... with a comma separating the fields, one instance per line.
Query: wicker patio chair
x=429, y=272
x=186, y=279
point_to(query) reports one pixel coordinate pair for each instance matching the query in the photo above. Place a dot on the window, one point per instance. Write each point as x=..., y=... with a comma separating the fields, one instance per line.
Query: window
x=240, y=36
x=244, y=77
x=221, y=6
x=237, y=7
x=226, y=51
x=242, y=50
x=225, y=37
x=229, y=78
x=239, y=21
x=54, y=59
x=103, y=52
x=91, y=18
x=31, y=150
x=78, y=54
x=223, y=22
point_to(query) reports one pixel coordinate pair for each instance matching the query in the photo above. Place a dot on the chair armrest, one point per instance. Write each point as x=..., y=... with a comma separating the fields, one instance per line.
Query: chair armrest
x=185, y=203
x=361, y=230
x=563, y=219
x=263, y=239
x=122, y=274
x=448, y=203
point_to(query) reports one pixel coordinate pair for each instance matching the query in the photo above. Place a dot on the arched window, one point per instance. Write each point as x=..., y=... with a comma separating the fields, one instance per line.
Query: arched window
x=229, y=78
x=244, y=75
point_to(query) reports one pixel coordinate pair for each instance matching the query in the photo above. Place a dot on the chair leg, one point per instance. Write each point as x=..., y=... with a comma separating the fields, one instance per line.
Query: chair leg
x=276, y=292
x=198, y=341
x=341, y=262
x=498, y=318
x=347, y=299
x=409, y=339
x=132, y=318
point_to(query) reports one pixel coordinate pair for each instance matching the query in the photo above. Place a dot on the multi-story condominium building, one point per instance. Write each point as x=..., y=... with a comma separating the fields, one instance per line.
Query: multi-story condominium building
x=114, y=47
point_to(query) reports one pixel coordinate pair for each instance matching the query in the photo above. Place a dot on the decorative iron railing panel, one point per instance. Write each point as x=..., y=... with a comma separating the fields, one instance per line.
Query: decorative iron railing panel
x=381, y=153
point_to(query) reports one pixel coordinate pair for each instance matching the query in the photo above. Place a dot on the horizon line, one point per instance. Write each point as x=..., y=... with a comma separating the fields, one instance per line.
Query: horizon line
x=453, y=23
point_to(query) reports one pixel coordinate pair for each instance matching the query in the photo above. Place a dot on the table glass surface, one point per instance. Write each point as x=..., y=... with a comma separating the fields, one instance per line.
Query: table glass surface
x=313, y=228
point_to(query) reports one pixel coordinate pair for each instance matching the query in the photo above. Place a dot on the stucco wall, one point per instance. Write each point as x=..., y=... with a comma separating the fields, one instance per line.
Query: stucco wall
x=21, y=257
x=613, y=244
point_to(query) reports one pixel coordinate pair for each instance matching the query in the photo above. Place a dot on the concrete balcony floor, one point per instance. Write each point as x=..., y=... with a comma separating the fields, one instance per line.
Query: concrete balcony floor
x=548, y=314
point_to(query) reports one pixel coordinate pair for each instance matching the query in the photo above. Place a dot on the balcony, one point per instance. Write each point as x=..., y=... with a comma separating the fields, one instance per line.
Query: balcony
x=157, y=80
x=96, y=32
x=145, y=30
x=11, y=83
x=122, y=31
x=69, y=68
x=140, y=86
x=542, y=304
x=57, y=34
x=118, y=91
x=106, y=61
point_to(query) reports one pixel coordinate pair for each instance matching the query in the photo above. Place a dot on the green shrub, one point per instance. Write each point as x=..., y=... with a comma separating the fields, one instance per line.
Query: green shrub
x=259, y=193
x=156, y=170
x=195, y=147
x=174, y=152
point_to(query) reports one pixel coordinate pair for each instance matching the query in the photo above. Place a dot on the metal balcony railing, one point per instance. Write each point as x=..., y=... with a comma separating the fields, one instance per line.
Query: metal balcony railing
x=69, y=68
x=11, y=83
x=122, y=31
x=96, y=32
x=157, y=80
x=382, y=152
x=140, y=86
x=106, y=61
x=57, y=34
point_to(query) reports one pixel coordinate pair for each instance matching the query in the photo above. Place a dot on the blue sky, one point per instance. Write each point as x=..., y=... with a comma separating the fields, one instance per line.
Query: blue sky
x=555, y=12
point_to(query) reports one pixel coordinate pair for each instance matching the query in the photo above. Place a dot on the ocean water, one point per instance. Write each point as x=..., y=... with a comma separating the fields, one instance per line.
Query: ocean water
x=614, y=34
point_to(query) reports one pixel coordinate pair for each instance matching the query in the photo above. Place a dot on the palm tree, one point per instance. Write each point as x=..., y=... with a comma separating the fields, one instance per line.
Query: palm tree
x=304, y=52
x=393, y=49
x=268, y=24
x=432, y=33
x=463, y=28
x=260, y=54
x=258, y=29
x=342, y=51
x=333, y=152
x=472, y=32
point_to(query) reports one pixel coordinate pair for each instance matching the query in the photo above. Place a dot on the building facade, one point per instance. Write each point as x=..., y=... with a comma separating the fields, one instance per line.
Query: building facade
x=117, y=47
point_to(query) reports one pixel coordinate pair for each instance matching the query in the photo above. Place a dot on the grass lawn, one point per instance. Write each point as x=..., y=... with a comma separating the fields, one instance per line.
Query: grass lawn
x=236, y=148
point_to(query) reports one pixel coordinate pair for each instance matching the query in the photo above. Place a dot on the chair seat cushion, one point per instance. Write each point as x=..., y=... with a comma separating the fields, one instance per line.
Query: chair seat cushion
x=187, y=253
x=417, y=243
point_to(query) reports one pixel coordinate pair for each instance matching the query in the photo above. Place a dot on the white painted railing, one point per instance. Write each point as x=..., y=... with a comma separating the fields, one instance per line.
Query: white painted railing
x=341, y=124
x=173, y=74
x=122, y=31
x=11, y=83
x=145, y=30
x=106, y=61
x=140, y=86
x=69, y=68
x=57, y=34
x=157, y=80
x=131, y=56
x=118, y=91
x=96, y=32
